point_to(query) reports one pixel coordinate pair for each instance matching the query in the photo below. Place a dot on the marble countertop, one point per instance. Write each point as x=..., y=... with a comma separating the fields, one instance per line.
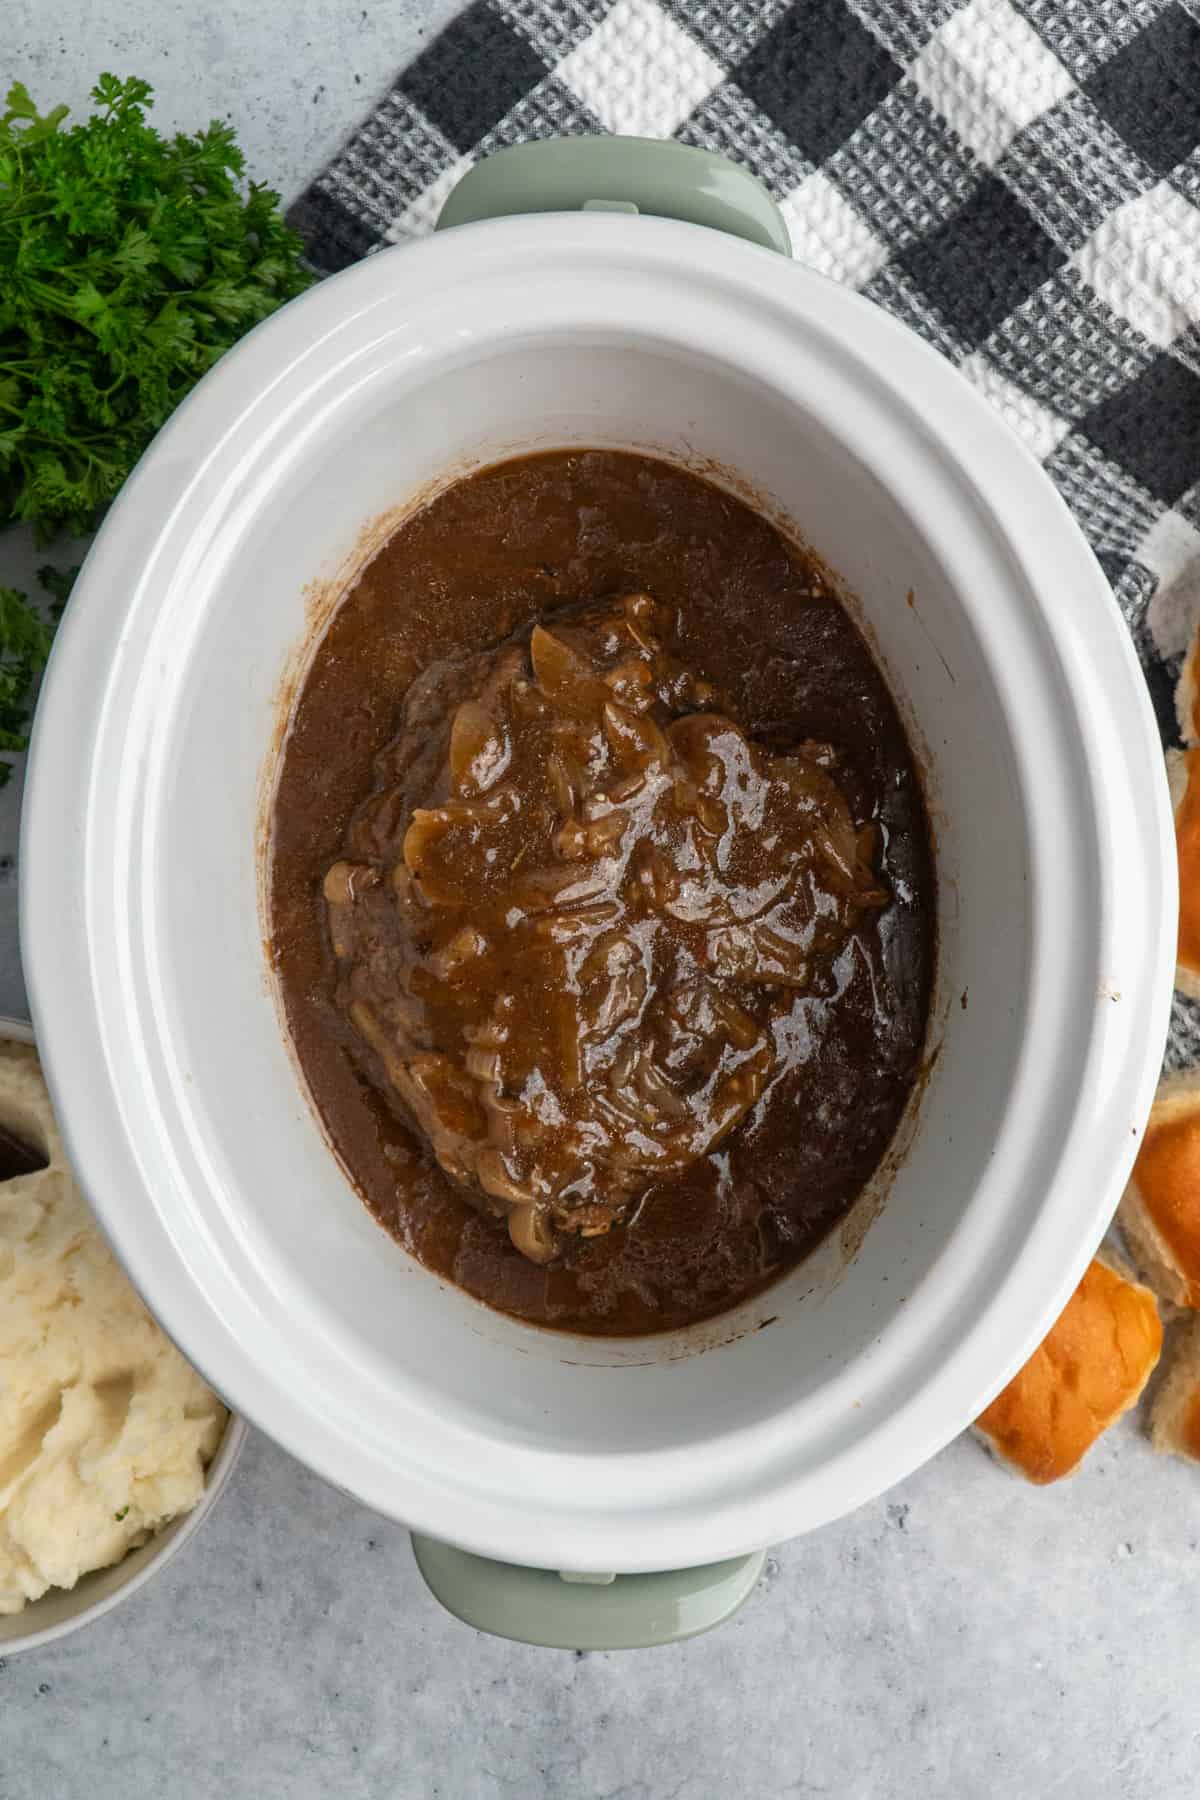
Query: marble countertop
x=961, y=1637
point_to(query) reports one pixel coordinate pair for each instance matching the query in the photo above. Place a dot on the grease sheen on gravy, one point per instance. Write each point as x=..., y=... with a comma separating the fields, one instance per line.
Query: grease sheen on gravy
x=602, y=894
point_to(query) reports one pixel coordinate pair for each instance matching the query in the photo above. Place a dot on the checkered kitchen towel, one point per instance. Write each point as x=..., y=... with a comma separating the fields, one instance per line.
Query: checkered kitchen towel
x=1018, y=180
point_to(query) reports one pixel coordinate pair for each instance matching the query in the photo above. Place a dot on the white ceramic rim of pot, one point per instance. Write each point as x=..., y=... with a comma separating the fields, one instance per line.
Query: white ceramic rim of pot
x=99, y=1052
x=168, y=1542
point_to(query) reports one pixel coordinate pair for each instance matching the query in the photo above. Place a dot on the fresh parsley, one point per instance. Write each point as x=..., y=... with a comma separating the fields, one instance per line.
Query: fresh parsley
x=25, y=639
x=129, y=262
x=58, y=584
x=119, y=1516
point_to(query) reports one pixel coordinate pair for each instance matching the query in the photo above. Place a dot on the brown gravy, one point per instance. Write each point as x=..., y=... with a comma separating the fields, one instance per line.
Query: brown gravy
x=754, y=657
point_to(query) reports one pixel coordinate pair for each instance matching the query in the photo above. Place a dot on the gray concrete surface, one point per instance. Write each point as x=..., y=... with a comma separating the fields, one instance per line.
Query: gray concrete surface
x=962, y=1638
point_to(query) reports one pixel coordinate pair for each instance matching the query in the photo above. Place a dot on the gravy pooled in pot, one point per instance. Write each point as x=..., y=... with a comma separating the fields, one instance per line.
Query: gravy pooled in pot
x=602, y=894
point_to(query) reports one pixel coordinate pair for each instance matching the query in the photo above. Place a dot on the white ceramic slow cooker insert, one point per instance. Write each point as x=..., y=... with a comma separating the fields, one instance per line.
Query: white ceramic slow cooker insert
x=143, y=931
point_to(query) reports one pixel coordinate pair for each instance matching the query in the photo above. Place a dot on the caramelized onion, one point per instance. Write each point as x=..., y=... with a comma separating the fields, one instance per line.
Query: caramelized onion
x=581, y=899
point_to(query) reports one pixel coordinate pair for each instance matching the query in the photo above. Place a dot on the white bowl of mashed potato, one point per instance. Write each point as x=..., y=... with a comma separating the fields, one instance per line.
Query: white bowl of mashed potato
x=112, y=1448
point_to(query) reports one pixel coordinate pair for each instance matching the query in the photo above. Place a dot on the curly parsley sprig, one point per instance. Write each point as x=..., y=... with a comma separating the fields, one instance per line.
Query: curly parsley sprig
x=129, y=262
x=25, y=639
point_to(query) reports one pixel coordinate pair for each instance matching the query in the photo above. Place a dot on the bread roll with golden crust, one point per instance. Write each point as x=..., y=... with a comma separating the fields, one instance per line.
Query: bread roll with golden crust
x=1089, y=1369
x=1160, y=1208
x=1175, y=1418
x=1183, y=778
x=1187, y=693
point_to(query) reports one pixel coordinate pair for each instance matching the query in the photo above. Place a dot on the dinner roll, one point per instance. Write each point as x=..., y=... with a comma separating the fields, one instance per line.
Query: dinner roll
x=1183, y=777
x=1160, y=1209
x=1187, y=693
x=1175, y=1420
x=1087, y=1371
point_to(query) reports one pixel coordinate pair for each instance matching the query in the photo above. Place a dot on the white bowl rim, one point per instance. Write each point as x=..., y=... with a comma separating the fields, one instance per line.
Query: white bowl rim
x=216, y=1477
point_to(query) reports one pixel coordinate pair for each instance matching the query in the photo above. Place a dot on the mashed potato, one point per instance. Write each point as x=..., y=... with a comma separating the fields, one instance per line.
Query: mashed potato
x=105, y=1431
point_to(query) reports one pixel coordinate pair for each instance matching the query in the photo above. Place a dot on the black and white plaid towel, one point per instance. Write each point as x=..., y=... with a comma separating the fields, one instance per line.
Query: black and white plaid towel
x=1018, y=180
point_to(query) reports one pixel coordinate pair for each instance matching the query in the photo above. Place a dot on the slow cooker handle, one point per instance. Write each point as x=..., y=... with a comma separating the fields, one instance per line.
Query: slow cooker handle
x=585, y=1612
x=619, y=174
